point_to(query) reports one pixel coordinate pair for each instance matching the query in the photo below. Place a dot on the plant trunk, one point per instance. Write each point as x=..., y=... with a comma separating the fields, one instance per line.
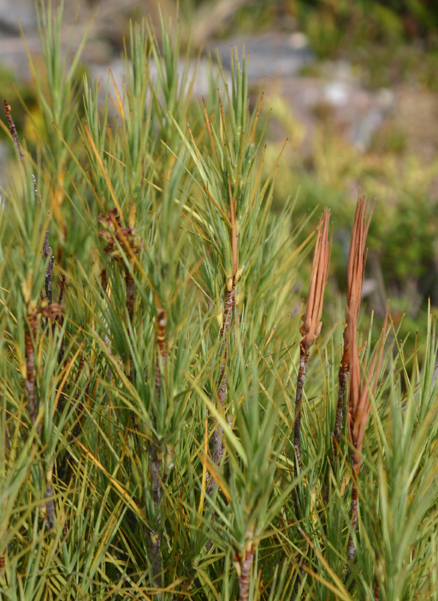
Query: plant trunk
x=298, y=403
x=162, y=351
x=351, y=550
x=50, y=505
x=230, y=300
x=353, y=517
x=60, y=319
x=30, y=335
x=339, y=422
x=245, y=574
x=376, y=582
x=156, y=452
x=130, y=294
x=130, y=297
x=104, y=281
x=217, y=449
x=298, y=580
x=49, y=269
x=155, y=455
x=3, y=554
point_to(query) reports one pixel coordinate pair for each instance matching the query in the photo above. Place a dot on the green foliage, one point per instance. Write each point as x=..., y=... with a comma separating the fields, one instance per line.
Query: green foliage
x=116, y=386
x=333, y=24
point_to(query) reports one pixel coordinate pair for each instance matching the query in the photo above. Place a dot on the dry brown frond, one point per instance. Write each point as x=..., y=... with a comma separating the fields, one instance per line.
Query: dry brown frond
x=311, y=326
x=356, y=270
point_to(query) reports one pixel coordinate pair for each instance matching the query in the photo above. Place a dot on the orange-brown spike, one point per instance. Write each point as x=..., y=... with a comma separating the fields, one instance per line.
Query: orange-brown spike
x=355, y=272
x=311, y=326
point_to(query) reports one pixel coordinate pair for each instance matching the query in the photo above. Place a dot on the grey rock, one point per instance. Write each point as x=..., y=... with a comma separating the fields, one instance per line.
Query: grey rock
x=356, y=112
x=339, y=70
x=364, y=126
x=336, y=93
x=272, y=55
x=13, y=55
x=11, y=13
x=369, y=287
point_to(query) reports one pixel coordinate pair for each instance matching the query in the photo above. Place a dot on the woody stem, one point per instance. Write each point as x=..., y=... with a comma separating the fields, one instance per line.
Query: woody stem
x=156, y=451
x=245, y=575
x=298, y=403
x=339, y=421
x=353, y=517
x=30, y=335
x=343, y=378
x=130, y=297
x=351, y=549
x=217, y=445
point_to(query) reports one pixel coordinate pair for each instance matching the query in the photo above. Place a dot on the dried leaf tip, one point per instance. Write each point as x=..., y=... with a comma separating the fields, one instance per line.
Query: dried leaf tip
x=311, y=326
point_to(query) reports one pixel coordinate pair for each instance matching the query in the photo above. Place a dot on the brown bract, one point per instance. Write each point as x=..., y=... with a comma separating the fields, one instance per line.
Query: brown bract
x=117, y=236
x=311, y=326
x=50, y=310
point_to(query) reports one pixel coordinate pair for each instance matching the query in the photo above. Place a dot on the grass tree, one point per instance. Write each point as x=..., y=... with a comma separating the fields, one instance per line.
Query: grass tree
x=158, y=439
